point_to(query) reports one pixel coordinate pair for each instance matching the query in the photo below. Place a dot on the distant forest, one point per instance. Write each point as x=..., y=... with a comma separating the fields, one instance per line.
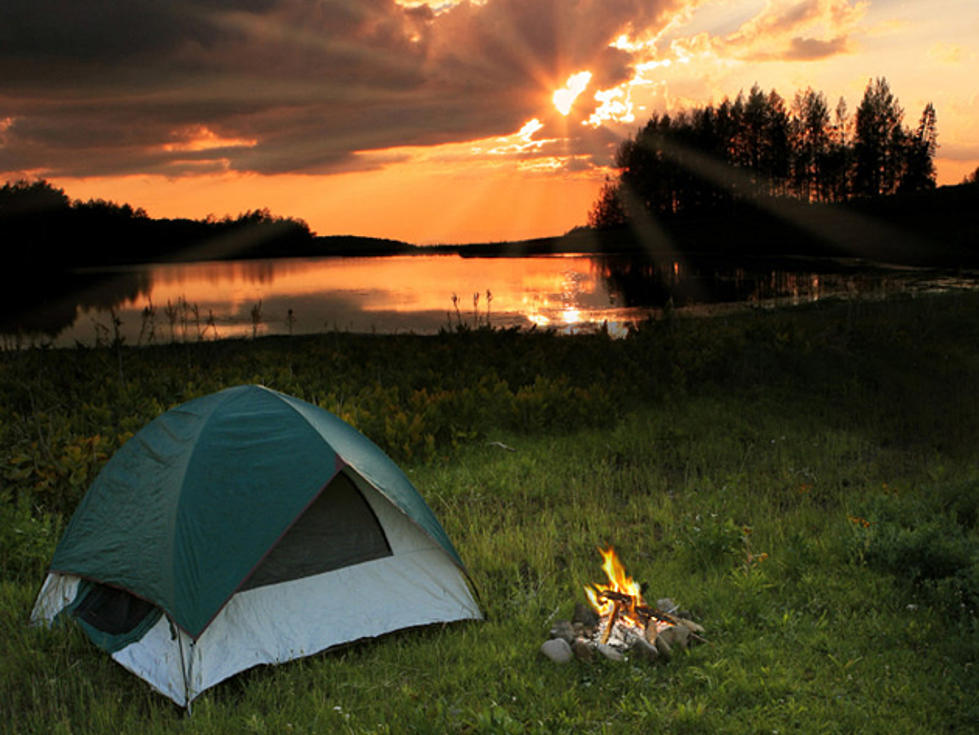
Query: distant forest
x=43, y=229
x=717, y=159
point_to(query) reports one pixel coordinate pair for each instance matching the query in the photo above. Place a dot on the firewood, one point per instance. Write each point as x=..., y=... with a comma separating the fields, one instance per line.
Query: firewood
x=616, y=607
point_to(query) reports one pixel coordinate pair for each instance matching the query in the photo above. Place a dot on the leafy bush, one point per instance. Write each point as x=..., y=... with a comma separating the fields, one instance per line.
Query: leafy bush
x=555, y=404
x=709, y=541
x=924, y=546
x=27, y=540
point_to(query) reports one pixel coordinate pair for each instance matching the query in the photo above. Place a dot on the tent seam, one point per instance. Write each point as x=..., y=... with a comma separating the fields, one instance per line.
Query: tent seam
x=175, y=513
x=454, y=557
x=268, y=551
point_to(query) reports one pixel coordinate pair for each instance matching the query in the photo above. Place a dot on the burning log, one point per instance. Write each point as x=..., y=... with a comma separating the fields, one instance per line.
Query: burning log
x=644, y=612
x=616, y=609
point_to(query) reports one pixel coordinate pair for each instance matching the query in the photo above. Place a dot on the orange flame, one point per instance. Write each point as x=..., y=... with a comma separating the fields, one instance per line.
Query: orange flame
x=620, y=583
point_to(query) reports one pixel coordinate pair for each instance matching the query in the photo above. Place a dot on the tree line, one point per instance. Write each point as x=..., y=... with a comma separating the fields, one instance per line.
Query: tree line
x=42, y=228
x=758, y=146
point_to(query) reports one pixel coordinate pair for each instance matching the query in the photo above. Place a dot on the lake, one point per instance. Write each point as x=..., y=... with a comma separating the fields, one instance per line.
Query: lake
x=423, y=294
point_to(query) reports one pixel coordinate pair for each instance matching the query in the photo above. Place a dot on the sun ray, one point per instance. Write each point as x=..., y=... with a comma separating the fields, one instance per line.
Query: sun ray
x=564, y=98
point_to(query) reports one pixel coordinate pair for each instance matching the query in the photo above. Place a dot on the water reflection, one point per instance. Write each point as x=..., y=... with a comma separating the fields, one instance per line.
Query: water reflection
x=418, y=293
x=49, y=306
x=697, y=284
x=658, y=284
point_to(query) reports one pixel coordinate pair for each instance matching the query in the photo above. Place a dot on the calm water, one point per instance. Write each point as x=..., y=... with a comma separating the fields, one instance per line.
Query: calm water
x=423, y=294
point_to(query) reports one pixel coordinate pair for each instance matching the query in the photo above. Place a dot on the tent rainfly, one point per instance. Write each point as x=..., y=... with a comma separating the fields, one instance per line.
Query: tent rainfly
x=248, y=527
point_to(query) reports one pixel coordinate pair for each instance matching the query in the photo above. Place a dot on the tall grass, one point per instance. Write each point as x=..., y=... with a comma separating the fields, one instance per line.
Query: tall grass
x=839, y=441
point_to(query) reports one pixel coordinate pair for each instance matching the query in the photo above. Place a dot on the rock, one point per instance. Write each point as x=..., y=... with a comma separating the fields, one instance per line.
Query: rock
x=645, y=650
x=585, y=615
x=676, y=636
x=582, y=650
x=666, y=605
x=558, y=650
x=563, y=629
x=692, y=626
x=610, y=653
x=663, y=647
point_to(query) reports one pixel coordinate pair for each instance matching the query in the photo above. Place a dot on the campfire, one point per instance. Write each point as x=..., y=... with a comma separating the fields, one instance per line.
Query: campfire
x=618, y=622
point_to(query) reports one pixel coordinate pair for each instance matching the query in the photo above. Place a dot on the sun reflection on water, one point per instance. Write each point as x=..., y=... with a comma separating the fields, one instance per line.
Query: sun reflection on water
x=569, y=294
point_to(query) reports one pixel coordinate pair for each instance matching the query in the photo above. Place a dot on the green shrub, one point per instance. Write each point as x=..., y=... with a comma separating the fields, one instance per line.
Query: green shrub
x=555, y=404
x=710, y=541
x=921, y=544
x=27, y=540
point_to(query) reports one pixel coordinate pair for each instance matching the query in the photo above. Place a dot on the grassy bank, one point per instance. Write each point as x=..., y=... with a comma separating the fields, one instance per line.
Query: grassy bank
x=838, y=440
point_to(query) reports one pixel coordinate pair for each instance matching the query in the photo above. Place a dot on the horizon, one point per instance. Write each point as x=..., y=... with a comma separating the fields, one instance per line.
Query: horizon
x=443, y=122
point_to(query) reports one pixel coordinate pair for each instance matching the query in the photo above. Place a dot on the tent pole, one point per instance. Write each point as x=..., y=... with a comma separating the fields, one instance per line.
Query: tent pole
x=190, y=673
x=178, y=634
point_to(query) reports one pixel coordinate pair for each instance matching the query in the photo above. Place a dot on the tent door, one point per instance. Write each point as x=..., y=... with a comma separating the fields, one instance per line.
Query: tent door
x=338, y=529
x=112, y=617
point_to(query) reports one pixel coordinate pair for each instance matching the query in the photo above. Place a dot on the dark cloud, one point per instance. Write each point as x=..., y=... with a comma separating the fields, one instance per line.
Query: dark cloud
x=106, y=86
x=579, y=163
x=809, y=49
x=108, y=31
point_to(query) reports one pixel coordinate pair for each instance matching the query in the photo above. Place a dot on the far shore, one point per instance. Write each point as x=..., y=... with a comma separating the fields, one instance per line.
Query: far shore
x=932, y=229
x=938, y=228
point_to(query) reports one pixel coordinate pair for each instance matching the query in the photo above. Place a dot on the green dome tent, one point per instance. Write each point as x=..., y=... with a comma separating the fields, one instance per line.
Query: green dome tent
x=248, y=527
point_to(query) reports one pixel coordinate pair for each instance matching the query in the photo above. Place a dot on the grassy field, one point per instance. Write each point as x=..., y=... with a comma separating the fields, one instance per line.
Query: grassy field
x=805, y=482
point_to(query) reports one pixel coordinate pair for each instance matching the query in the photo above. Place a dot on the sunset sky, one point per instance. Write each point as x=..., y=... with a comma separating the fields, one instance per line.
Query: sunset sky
x=439, y=121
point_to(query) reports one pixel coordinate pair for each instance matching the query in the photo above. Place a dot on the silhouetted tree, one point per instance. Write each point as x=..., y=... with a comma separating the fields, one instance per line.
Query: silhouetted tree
x=777, y=157
x=811, y=144
x=608, y=210
x=751, y=138
x=33, y=214
x=25, y=198
x=919, y=166
x=839, y=158
x=879, y=144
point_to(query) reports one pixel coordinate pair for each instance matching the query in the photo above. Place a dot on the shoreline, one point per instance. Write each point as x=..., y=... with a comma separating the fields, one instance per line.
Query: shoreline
x=939, y=228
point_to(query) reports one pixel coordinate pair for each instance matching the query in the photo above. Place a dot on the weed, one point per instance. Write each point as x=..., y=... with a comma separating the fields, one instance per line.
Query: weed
x=455, y=305
x=211, y=324
x=147, y=327
x=256, y=314
x=172, y=312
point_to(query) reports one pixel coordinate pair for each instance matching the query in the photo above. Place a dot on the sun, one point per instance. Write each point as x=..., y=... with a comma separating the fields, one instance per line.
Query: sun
x=564, y=98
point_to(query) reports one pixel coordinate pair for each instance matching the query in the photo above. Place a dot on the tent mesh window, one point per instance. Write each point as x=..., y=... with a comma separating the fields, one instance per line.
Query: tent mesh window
x=337, y=530
x=111, y=610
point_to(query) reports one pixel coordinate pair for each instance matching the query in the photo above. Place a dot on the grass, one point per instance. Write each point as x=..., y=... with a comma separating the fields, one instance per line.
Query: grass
x=839, y=440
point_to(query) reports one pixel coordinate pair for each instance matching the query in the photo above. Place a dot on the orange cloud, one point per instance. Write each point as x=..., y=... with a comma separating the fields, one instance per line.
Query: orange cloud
x=202, y=138
x=949, y=53
x=806, y=30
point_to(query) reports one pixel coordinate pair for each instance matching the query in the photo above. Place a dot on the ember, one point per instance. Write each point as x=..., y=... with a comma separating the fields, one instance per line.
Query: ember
x=619, y=621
